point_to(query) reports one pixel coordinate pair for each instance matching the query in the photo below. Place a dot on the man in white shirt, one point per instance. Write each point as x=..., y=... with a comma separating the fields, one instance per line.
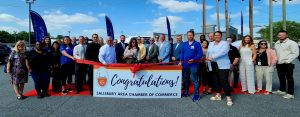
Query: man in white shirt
x=107, y=53
x=287, y=51
x=80, y=69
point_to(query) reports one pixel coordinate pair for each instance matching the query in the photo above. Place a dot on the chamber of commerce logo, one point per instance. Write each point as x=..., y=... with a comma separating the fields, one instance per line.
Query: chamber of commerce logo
x=102, y=81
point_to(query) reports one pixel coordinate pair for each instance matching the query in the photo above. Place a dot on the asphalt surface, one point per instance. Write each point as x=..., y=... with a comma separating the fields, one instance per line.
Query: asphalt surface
x=65, y=106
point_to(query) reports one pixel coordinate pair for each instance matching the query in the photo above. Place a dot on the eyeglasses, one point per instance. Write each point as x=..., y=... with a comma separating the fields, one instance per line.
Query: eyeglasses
x=132, y=42
x=151, y=40
x=263, y=43
x=115, y=42
x=95, y=37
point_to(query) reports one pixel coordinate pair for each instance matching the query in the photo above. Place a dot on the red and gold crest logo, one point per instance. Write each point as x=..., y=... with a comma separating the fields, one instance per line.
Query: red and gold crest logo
x=102, y=81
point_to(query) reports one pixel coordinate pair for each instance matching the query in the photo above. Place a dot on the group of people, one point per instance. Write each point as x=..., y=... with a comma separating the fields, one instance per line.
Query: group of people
x=208, y=62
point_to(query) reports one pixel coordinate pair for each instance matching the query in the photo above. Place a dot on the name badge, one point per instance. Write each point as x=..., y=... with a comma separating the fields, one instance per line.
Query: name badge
x=259, y=63
x=192, y=47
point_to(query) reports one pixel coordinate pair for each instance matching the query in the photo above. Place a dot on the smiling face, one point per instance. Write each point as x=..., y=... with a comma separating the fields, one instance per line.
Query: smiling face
x=218, y=37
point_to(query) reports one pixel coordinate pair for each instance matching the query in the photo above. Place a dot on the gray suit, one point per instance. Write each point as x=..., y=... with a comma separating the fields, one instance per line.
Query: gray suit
x=152, y=54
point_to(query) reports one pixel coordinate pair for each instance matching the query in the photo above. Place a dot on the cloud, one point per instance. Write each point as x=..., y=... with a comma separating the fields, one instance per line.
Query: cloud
x=175, y=6
x=101, y=14
x=9, y=29
x=90, y=32
x=7, y=17
x=58, y=17
x=160, y=25
x=279, y=2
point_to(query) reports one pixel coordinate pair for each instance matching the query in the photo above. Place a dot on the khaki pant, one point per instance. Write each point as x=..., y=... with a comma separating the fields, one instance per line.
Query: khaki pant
x=267, y=73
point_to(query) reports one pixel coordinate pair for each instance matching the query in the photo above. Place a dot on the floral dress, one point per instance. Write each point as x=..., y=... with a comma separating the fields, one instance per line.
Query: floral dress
x=19, y=72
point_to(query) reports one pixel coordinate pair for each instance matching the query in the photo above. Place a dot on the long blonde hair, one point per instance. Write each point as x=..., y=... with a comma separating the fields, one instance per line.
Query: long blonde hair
x=19, y=43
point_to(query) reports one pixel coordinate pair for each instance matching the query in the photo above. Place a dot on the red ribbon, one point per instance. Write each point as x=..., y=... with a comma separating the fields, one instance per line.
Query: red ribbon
x=134, y=68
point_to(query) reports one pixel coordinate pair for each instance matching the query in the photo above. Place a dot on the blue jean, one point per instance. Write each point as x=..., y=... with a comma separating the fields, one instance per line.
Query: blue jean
x=191, y=72
x=41, y=80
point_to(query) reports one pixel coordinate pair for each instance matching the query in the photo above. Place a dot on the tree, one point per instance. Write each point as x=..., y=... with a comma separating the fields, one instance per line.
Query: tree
x=6, y=37
x=293, y=29
x=59, y=37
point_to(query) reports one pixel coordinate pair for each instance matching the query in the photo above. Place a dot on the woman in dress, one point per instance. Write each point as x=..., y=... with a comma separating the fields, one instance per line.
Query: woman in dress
x=17, y=68
x=247, y=61
x=131, y=53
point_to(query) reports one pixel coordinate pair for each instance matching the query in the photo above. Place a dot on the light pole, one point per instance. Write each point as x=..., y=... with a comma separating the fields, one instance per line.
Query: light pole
x=69, y=33
x=284, y=14
x=271, y=22
x=29, y=2
x=15, y=32
x=226, y=18
x=218, y=16
x=204, y=17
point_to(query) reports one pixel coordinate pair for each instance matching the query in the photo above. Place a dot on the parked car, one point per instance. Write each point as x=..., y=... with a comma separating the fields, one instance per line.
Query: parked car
x=4, y=53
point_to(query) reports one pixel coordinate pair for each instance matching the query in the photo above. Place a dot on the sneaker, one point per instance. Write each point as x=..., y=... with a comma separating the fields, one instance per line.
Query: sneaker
x=288, y=96
x=196, y=98
x=64, y=92
x=278, y=92
x=216, y=98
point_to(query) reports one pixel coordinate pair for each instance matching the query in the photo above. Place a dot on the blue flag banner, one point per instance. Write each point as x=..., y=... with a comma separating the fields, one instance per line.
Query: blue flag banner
x=169, y=28
x=39, y=26
x=109, y=28
x=242, y=24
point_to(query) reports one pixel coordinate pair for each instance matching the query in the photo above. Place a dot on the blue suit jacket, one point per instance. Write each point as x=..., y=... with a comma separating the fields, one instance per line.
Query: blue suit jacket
x=164, y=52
x=177, y=51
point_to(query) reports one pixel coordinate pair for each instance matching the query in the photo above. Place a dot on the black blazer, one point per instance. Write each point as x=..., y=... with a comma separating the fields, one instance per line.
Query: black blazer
x=120, y=51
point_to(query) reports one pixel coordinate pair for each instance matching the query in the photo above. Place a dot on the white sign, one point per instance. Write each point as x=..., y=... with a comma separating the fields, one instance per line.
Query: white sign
x=152, y=82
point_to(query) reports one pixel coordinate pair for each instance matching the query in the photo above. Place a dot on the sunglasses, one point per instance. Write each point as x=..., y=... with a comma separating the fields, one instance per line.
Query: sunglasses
x=115, y=42
x=95, y=37
x=263, y=43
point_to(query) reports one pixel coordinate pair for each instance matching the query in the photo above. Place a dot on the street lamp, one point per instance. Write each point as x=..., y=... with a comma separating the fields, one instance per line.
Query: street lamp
x=29, y=3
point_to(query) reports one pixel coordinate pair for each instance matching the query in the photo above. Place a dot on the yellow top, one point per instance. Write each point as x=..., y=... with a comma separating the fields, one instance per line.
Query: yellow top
x=142, y=51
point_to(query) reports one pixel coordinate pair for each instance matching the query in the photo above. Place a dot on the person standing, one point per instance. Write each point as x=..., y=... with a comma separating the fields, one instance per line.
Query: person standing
x=74, y=41
x=156, y=40
x=211, y=37
x=39, y=62
x=164, y=50
x=219, y=64
x=92, y=51
x=115, y=43
x=67, y=64
x=287, y=51
x=234, y=56
x=120, y=49
x=265, y=61
x=152, y=52
x=143, y=41
x=203, y=70
x=247, y=61
x=190, y=55
x=46, y=44
x=142, y=50
x=55, y=65
x=80, y=69
x=101, y=42
x=107, y=53
x=131, y=53
x=17, y=68
x=177, y=48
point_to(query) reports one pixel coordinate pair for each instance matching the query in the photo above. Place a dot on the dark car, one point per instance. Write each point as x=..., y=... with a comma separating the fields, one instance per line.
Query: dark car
x=4, y=53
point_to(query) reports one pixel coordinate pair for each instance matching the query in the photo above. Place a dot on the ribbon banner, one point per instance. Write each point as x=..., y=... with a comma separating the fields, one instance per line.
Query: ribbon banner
x=156, y=81
x=39, y=26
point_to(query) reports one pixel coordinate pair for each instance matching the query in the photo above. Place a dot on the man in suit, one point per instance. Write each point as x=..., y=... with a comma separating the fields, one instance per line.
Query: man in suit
x=152, y=52
x=120, y=48
x=164, y=50
x=177, y=48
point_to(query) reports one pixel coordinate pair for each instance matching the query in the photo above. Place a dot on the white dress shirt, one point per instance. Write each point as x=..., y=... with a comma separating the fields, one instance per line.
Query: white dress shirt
x=79, y=51
x=286, y=51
